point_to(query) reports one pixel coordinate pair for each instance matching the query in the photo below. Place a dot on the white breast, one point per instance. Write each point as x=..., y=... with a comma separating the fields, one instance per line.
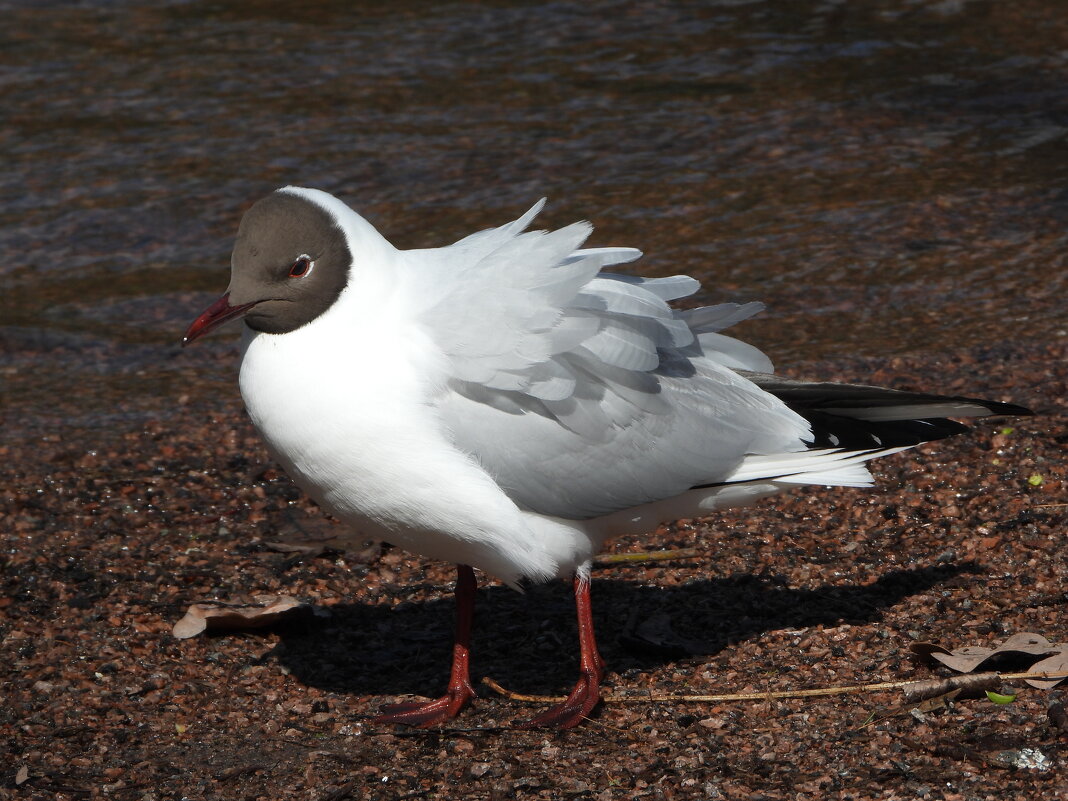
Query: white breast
x=356, y=428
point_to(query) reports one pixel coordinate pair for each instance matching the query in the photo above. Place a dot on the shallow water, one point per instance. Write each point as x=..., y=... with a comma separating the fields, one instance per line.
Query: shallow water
x=889, y=177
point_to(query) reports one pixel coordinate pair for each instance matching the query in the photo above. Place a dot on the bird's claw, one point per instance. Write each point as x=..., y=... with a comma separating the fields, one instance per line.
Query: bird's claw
x=571, y=711
x=424, y=714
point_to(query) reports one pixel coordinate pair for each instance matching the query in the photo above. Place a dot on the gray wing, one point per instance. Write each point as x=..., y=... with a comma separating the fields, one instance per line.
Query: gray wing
x=582, y=392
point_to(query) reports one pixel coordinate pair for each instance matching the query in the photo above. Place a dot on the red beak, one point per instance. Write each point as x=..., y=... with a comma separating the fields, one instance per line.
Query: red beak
x=215, y=315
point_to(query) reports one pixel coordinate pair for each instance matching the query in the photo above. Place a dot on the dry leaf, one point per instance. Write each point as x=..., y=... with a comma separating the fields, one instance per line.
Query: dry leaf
x=221, y=616
x=1055, y=663
x=927, y=705
x=938, y=702
x=303, y=534
x=1022, y=648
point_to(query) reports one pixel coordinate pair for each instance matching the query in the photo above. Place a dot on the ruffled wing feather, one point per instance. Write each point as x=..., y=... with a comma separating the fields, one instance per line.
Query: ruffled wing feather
x=583, y=392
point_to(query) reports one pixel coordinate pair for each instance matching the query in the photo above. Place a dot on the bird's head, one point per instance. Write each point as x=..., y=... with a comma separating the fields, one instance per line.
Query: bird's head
x=291, y=262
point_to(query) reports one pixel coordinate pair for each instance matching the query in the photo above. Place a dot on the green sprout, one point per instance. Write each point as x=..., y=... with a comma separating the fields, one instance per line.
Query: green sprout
x=998, y=698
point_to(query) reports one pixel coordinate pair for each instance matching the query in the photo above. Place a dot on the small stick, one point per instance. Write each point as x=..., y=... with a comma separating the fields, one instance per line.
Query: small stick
x=756, y=696
x=645, y=556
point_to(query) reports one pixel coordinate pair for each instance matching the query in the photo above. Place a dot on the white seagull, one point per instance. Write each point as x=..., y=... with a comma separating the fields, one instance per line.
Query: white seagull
x=503, y=404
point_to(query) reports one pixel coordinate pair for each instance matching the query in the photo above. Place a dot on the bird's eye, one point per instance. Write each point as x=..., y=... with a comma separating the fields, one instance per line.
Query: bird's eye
x=301, y=267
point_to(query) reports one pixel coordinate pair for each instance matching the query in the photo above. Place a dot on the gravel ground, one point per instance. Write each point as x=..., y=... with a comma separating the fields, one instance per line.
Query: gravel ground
x=109, y=535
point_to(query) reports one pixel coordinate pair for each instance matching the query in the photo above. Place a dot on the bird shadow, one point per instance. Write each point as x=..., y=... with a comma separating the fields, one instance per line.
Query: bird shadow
x=528, y=640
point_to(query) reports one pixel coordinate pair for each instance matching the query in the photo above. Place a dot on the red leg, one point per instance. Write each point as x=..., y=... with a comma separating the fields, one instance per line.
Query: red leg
x=578, y=705
x=424, y=714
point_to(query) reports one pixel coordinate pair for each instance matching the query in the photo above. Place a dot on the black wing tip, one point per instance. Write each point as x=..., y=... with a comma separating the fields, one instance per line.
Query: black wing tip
x=832, y=431
x=1007, y=409
x=829, y=396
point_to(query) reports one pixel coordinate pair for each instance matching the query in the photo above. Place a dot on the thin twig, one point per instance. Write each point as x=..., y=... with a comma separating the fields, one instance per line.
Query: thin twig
x=755, y=696
x=645, y=556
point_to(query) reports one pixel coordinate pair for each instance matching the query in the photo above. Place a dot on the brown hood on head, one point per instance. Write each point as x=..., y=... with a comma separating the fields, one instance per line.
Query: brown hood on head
x=290, y=264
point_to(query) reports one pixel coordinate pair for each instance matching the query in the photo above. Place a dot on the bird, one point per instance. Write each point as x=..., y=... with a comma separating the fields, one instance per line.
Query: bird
x=506, y=404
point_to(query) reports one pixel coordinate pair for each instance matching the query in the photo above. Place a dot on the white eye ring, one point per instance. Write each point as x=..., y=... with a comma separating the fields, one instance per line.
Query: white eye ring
x=302, y=266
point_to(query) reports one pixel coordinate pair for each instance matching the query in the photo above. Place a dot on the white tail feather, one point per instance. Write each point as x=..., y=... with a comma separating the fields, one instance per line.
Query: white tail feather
x=832, y=466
